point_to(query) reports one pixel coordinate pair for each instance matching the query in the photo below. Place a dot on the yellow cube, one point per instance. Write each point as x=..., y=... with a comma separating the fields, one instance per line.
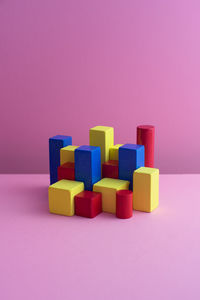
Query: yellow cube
x=103, y=137
x=61, y=196
x=114, y=152
x=108, y=187
x=67, y=154
x=145, y=189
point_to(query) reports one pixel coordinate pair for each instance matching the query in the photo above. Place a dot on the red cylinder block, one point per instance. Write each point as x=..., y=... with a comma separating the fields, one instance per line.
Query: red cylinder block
x=146, y=137
x=124, y=204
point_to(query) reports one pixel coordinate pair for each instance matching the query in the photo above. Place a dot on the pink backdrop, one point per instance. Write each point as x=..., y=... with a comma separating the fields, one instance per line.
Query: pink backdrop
x=66, y=66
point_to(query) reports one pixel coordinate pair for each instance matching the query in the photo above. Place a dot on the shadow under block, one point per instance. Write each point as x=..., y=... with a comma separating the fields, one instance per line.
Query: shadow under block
x=114, y=152
x=55, y=144
x=131, y=157
x=103, y=137
x=66, y=171
x=61, y=196
x=145, y=189
x=88, y=204
x=110, y=169
x=67, y=154
x=108, y=187
x=146, y=137
x=88, y=165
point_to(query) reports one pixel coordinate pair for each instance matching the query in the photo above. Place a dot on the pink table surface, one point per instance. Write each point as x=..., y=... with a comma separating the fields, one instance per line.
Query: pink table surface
x=151, y=256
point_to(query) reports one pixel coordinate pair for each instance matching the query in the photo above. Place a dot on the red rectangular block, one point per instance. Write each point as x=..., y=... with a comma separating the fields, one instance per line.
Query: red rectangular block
x=110, y=169
x=66, y=171
x=88, y=204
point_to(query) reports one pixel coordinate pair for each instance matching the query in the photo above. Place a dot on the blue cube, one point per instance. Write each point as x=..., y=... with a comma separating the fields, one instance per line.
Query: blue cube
x=131, y=157
x=55, y=144
x=88, y=165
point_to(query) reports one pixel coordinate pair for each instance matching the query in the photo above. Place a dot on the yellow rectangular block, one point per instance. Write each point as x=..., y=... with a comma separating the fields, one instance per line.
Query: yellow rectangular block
x=67, y=154
x=108, y=187
x=114, y=152
x=61, y=196
x=103, y=137
x=145, y=189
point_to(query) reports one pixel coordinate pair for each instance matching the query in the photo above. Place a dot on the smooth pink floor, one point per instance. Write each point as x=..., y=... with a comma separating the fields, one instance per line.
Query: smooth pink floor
x=151, y=256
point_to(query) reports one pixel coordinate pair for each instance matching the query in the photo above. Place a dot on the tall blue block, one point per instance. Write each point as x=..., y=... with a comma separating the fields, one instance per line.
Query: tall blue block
x=55, y=144
x=131, y=157
x=88, y=165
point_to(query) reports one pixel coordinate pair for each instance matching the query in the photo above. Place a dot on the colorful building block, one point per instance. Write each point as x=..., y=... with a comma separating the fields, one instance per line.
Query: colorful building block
x=146, y=137
x=88, y=204
x=103, y=137
x=67, y=154
x=108, y=187
x=145, y=189
x=131, y=157
x=124, y=204
x=61, y=196
x=55, y=144
x=88, y=165
x=114, y=152
x=110, y=169
x=66, y=171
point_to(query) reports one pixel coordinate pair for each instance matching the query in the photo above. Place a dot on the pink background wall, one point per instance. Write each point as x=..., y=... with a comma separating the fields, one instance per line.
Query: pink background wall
x=66, y=66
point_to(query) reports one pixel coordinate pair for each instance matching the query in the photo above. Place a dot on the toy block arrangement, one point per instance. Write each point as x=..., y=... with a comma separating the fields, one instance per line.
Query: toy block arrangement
x=102, y=177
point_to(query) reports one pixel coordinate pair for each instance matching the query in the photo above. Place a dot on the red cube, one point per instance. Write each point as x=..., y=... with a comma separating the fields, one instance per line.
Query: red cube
x=88, y=204
x=110, y=169
x=66, y=171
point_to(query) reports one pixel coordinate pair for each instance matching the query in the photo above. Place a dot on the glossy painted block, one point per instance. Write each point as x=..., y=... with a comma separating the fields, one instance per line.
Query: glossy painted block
x=114, y=152
x=124, y=204
x=108, y=187
x=61, y=196
x=110, y=169
x=55, y=144
x=131, y=157
x=66, y=171
x=88, y=165
x=103, y=137
x=146, y=137
x=67, y=154
x=145, y=189
x=88, y=204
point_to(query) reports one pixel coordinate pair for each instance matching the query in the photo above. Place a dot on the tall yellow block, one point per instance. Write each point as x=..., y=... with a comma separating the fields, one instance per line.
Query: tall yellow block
x=61, y=196
x=145, y=189
x=114, y=152
x=103, y=137
x=67, y=154
x=108, y=187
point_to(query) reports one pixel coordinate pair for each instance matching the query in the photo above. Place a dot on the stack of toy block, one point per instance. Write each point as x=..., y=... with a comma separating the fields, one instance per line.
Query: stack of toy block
x=116, y=179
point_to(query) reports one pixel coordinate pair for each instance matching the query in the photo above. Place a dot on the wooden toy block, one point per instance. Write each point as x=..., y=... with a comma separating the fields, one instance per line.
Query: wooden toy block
x=61, y=196
x=114, y=152
x=103, y=137
x=110, y=169
x=88, y=204
x=124, y=204
x=67, y=154
x=146, y=137
x=55, y=144
x=145, y=189
x=66, y=171
x=131, y=157
x=88, y=165
x=108, y=187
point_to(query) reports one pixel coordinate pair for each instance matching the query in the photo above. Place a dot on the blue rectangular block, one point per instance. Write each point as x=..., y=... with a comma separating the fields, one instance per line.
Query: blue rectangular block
x=131, y=157
x=88, y=165
x=55, y=144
